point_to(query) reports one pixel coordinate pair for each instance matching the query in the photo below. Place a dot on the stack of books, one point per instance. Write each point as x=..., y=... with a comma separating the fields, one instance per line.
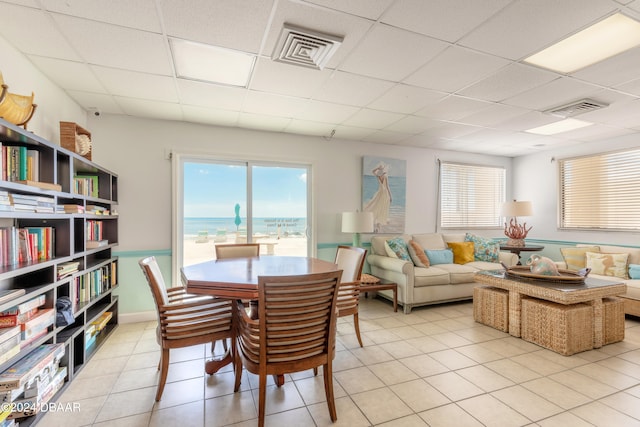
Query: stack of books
x=70, y=209
x=9, y=343
x=5, y=202
x=23, y=202
x=21, y=313
x=67, y=268
x=97, y=210
x=45, y=204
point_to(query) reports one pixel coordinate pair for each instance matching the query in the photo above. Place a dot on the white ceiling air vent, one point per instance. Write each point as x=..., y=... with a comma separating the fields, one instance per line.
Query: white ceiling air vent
x=578, y=107
x=306, y=48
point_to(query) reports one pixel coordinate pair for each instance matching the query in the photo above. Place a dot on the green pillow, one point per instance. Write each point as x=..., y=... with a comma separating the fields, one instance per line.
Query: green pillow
x=485, y=249
x=399, y=247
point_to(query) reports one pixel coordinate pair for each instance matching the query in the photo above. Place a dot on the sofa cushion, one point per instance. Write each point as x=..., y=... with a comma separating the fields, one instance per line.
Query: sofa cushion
x=634, y=271
x=575, y=257
x=485, y=249
x=430, y=240
x=439, y=256
x=459, y=273
x=634, y=253
x=378, y=241
x=462, y=252
x=399, y=248
x=432, y=276
x=416, y=252
x=608, y=264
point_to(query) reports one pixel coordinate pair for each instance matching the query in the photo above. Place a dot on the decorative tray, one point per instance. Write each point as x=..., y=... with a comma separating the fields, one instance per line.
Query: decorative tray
x=566, y=276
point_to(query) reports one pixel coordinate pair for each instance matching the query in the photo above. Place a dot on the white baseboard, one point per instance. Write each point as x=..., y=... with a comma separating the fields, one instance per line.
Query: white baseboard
x=142, y=316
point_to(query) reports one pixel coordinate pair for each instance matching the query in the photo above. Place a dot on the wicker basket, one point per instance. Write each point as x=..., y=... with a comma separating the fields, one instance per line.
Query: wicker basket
x=491, y=307
x=613, y=320
x=565, y=329
x=68, y=133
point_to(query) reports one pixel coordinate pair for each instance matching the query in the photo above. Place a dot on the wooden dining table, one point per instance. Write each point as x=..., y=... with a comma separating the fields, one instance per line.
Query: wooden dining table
x=237, y=278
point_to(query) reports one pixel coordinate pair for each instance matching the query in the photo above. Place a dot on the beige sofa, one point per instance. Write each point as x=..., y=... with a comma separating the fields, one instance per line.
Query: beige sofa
x=632, y=297
x=419, y=286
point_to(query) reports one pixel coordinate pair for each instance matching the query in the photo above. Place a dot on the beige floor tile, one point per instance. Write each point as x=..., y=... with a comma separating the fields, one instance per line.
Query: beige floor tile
x=419, y=395
x=381, y=405
x=571, y=362
x=140, y=378
x=100, y=367
x=370, y=355
x=512, y=370
x=140, y=420
x=400, y=350
x=479, y=353
x=583, y=384
x=451, y=324
x=358, y=380
x=557, y=393
x=221, y=383
x=230, y=409
x=430, y=329
x=427, y=344
x=312, y=389
x=142, y=360
x=602, y=415
x=87, y=413
x=294, y=417
x=632, y=356
x=180, y=392
x=527, y=403
x=444, y=416
x=485, y=378
x=124, y=335
x=410, y=421
x=280, y=399
x=113, y=350
x=538, y=364
x=451, y=339
x=452, y=359
x=406, y=332
x=188, y=414
x=345, y=360
x=454, y=386
x=87, y=387
x=349, y=415
x=382, y=336
x=607, y=376
x=565, y=419
x=424, y=365
x=118, y=405
x=625, y=403
x=492, y=412
x=475, y=335
x=390, y=323
x=393, y=372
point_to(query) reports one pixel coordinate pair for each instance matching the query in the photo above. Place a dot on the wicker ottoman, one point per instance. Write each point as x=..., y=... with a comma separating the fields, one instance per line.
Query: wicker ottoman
x=613, y=320
x=565, y=329
x=491, y=307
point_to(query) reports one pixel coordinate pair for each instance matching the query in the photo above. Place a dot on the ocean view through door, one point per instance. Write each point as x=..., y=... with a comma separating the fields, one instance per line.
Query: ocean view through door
x=238, y=202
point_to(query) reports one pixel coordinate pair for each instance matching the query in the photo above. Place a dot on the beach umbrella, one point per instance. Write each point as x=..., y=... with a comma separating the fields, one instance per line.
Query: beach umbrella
x=237, y=220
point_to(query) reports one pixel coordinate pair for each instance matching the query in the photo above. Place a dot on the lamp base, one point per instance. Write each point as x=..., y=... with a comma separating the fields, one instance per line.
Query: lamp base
x=356, y=240
x=518, y=243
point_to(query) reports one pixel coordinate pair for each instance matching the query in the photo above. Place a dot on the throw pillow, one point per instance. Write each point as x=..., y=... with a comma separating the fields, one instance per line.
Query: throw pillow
x=390, y=253
x=439, y=256
x=608, y=264
x=484, y=249
x=575, y=257
x=417, y=254
x=634, y=271
x=399, y=246
x=462, y=252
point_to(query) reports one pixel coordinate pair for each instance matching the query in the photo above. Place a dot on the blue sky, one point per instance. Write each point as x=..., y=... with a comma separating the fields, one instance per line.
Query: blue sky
x=212, y=190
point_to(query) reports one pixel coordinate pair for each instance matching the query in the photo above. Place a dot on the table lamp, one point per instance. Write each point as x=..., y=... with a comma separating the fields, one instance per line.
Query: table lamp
x=356, y=223
x=514, y=231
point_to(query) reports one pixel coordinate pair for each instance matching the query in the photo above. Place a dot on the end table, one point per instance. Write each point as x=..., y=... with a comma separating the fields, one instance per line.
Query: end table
x=382, y=285
x=517, y=249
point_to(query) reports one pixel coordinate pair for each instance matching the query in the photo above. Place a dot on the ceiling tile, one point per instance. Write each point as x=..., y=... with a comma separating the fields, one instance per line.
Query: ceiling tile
x=46, y=41
x=453, y=108
x=371, y=9
x=352, y=132
x=614, y=71
x=413, y=125
x=352, y=89
x=137, y=85
x=470, y=66
x=141, y=14
x=496, y=113
x=613, y=112
x=209, y=116
x=210, y=95
x=526, y=121
x=373, y=119
x=118, y=47
x=525, y=27
x=325, y=112
x=69, y=75
x=151, y=109
x=435, y=18
x=96, y=101
x=556, y=93
x=632, y=87
x=385, y=137
x=263, y=122
x=306, y=127
x=284, y=79
x=236, y=25
x=391, y=54
x=274, y=105
x=406, y=99
x=597, y=132
x=510, y=81
x=451, y=130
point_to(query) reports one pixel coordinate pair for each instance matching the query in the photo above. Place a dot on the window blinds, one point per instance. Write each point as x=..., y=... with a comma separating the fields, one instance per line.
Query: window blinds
x=471, y=195
x=601, y=191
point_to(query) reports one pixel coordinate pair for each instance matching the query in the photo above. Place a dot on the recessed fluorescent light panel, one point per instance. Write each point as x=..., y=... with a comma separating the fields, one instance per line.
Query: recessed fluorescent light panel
x=559, y=127
x=602, y=40
x=198, y=61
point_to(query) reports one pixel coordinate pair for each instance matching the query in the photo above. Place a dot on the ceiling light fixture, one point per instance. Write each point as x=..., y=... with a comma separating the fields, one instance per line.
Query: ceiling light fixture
x=559, y=127
x=602, y=40
x=207, y=63
x=306, y=48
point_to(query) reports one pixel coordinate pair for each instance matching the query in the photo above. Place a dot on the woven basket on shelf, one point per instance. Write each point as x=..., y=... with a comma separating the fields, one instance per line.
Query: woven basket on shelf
x=69, y=132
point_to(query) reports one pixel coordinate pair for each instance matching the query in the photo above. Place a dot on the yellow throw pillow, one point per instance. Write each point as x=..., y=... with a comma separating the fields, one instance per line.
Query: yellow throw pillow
x=462, y=252
x=608, y=264
x=575, y=257
x=417, y=254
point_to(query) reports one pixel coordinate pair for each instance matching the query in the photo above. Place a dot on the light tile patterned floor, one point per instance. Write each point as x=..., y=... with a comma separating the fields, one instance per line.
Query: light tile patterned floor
x=434, y=367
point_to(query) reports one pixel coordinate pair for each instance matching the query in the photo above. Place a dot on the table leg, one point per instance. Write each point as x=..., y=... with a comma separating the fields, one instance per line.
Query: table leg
x=395, y=299
x=515, y=309
x=212, y=366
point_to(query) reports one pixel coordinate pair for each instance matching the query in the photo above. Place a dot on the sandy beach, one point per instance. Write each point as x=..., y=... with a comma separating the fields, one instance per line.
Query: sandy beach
x=199, y=248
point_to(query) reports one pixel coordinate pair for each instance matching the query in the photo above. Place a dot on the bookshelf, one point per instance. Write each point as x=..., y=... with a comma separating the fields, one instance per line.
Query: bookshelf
x=67, y=222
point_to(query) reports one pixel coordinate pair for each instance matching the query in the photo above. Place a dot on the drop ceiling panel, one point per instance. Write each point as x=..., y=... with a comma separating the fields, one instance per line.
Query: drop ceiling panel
x=262, y=122
x=137, y=85
x=150, y=109
x=371, y=9
x=385, y=137
x=118, y=47
x=406, y=99
x=392, y=54
x=413, y=125
x=508, y=82
x=614, y=71
x=453, y=108
x=451, y=130
x=275, y=105
x=352, y=89
x=46, y=41
x=526, y=121
x=434, y=18
x=352, y=132
x=96, y=101
x=553, y=94
x=141, y=14
x=284, y=79
x=372, y=119
x=632, y=87
x=309, y=128
x=496, y=113
x=69, y=75
x=325, y=112
x=209, y=116
x=236, y=25
x=210, y=95
x=456, y=68
x=525, y=27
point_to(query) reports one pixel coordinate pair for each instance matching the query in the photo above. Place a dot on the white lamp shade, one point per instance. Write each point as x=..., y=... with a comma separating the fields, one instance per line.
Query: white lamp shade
x=357, y=222
x=516, y=209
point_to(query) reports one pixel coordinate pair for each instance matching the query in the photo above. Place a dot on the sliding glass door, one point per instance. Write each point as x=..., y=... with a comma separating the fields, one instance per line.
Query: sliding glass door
x=222, y=202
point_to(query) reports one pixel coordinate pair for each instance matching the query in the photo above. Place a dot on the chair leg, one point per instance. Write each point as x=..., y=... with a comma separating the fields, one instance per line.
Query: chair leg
x=356, y=324
x=315, y=371
x=328, y=390
x=164, y=370
x=237, y=364
x=262, y=394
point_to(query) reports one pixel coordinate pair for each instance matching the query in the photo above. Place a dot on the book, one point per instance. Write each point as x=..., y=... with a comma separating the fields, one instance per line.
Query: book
x=9, y=294
x=27, y=368
x=26, y=306
x=11, y=352
x=10, y=342
x=102, y=321
x=73, y=208
x=29, y=406
x=66, y=268
x=42, y=185
x=17, y=319
x=42, y=320
x=92, y=244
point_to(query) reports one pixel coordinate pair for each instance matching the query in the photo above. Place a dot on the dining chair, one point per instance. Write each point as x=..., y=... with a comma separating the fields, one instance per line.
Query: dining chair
x=295, y=330
x=237, y=250
x=350, y=259
x=185, y=319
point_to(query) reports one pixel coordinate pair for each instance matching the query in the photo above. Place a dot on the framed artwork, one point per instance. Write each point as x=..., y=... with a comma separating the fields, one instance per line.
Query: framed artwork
x=384, y=184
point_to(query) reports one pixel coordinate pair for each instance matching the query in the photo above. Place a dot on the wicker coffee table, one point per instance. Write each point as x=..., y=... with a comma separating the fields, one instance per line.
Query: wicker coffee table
x=570, y=299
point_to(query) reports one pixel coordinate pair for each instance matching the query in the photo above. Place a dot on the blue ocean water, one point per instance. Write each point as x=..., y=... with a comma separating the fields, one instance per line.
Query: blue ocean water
x=192, y=226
